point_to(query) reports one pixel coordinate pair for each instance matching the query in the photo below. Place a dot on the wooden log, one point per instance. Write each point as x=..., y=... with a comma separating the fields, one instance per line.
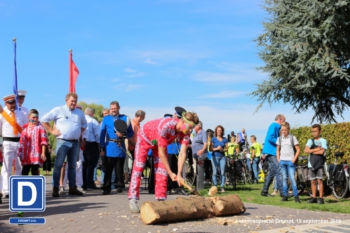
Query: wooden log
x=190, y=208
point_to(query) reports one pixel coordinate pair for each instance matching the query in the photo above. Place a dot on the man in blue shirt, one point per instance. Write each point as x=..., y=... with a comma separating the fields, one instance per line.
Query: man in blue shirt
x=114, y=151
x=70, y=123
x=270, y=152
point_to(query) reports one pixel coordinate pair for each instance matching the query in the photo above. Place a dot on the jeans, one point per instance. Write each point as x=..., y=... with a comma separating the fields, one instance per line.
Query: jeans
x=255, y=166
x=219, y=161
x=273, y=171
x=63, y=149
x=288, y=171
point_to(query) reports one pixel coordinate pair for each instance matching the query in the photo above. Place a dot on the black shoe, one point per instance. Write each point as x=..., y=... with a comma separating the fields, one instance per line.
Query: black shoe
x=312, y=200
x=74, y=191
x=106, y=192
x=93, y=187
x=296, y=199
x=55, y=192
x=183, y=192
x=265, y=194
x=320, y=200
x=119, y=190
x=284, y=199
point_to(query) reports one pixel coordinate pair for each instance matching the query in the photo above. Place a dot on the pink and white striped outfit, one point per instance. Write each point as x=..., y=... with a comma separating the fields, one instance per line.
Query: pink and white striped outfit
x=163, y=130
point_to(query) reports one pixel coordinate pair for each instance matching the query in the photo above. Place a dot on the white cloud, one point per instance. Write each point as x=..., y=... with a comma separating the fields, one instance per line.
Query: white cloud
x=223, y=94
x=150, y=62
x=126, y=87
x=232, y=72
x=130, y=70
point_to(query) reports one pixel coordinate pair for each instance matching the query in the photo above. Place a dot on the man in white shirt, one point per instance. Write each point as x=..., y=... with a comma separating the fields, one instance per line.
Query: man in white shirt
x=69, y=123
x=20, y=97
x=11, y=122
x=91, y=137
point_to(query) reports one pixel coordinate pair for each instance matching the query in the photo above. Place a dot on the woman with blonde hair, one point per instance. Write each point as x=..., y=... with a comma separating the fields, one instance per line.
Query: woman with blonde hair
x=287, y=153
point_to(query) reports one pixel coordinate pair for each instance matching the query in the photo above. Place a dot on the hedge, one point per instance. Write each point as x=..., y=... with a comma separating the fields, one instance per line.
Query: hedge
x=335, y=134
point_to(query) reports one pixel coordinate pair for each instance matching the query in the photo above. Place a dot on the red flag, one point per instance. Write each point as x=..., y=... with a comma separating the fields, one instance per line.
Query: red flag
x=73, y=73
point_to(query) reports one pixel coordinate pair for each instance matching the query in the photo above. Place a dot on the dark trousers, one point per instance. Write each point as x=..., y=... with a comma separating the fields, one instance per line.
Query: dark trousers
x=172, y=158
x=91, y=155
x=33, y=167
x=116, y=164
x=208, y=170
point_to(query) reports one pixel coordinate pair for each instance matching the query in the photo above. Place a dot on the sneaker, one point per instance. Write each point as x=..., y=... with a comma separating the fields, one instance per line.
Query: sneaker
x=320, y=200
x=312, y=200
x=222, y=190
x=61, y=190
x=284, y=199
x=133, y=206
x=55, y=192
x=82, y=190
x=74, y=191
x=296, y=199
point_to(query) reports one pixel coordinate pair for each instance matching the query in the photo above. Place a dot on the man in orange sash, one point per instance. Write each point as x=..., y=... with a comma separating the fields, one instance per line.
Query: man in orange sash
x=11, y=122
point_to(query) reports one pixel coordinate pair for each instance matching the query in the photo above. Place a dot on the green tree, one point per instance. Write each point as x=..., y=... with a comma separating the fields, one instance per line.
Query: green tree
x=306, y=50
x=96, y=107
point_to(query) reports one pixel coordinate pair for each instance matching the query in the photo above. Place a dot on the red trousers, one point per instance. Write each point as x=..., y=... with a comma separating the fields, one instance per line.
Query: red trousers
x=161, y=175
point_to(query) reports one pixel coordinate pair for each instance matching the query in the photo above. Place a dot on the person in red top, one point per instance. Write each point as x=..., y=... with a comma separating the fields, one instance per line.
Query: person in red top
x=157, y=135
x=32, y=144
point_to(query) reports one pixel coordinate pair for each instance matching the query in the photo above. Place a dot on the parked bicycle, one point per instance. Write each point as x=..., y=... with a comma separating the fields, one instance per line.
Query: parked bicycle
x=337, y=176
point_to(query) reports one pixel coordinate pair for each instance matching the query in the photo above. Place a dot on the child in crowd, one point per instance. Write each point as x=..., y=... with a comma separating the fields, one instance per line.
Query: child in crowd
x=32, y=145
x=287, y=154
x=316, y=148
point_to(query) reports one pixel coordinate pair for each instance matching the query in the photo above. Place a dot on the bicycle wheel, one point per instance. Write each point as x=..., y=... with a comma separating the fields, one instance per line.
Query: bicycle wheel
x=233, y=181
x=244, y=176
x=249, y=178
x=340, y=188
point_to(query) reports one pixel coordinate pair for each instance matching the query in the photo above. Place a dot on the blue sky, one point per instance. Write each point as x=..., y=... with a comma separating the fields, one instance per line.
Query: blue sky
x=150, y=55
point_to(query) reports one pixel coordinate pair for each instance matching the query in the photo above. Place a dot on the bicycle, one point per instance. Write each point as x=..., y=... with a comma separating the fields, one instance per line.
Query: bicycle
x=337, y=176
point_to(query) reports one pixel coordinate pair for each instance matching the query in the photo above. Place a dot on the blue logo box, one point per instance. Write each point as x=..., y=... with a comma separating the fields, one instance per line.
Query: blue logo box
x=27, y=193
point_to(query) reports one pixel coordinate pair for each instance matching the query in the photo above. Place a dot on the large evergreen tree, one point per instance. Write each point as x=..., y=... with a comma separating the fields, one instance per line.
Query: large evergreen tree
x=306, y=50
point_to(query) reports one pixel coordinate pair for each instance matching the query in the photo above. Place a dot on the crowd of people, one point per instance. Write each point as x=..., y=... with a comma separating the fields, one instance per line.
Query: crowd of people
x=82, y=141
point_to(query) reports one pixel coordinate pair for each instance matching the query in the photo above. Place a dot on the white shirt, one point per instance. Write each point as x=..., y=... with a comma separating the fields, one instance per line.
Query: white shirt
x=68, y=122
x=92, y=132
x=25, y=112
x=6, y=130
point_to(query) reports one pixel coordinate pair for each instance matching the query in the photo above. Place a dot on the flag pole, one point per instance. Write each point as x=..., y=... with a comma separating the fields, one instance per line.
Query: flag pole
x=70, y=71
x=15, y=86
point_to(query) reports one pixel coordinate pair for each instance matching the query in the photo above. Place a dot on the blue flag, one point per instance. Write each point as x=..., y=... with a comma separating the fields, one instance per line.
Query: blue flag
x=15, y=89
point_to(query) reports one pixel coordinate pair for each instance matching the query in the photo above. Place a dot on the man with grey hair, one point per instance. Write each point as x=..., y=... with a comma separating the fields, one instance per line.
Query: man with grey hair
x=199, y=146
x=139, y=117
x=269, y=150
x=91, y=137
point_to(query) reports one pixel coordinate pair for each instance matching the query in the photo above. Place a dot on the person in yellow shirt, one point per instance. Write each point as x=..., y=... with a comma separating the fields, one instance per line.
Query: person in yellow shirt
x=233, y=147
x=255, y=151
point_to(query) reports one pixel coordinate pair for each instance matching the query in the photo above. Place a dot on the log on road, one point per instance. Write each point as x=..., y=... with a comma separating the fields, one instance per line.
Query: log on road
x=190, y=208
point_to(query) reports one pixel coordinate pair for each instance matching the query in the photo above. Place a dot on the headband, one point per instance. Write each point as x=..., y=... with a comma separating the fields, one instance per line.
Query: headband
x=188, y=121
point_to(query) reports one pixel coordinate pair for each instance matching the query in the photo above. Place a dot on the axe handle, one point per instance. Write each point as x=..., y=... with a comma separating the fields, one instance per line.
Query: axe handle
x=187, y=186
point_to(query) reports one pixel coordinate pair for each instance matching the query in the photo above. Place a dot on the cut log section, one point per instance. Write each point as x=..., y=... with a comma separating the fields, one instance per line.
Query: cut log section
x=191, y=208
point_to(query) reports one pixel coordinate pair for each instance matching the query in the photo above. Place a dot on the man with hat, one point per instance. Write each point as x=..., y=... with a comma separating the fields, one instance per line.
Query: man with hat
x=112, y=146
x=11, y=122
x=20, y=98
